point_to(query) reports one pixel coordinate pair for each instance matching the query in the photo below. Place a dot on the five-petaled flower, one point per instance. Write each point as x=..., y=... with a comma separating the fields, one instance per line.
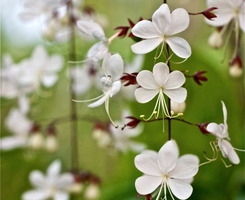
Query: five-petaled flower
x=166, y=170
x=54, y=185
x=221, y=132
x=161, y=29
x=160, y=82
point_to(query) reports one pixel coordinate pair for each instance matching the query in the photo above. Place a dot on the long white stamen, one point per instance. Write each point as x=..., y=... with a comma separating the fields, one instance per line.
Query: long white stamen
x=88, y=100
x=161, y=50
x=243, y=150
x=108, y=113
x=160, y=191
x=170, y=192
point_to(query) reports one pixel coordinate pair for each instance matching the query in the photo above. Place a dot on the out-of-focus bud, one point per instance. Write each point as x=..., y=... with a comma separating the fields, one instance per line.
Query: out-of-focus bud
x=236, y=68
x=49, y=32
x=198, y=77
x=203, y=128
x=102, y=135
x=78, y=185
x=178, y=107
x=35, y=140
x=50, y=143
x=215, y=40
x=92, y=191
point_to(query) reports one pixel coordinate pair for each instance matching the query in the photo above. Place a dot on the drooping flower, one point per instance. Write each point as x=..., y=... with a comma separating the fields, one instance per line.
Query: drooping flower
x=122, y=136
x=160, y=82
x=161, y=29
x=220, y=131
x=166, y=170
x=54, y=185
x=227, y=12
x=112, y=68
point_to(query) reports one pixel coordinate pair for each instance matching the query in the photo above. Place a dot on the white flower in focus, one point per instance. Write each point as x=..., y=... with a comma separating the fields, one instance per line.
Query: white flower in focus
x=220, y=131
x=20, y=126
x=122, y=137
x=228, y=11
x=161, y=29
x=54, y=185
x=166, y=170
x=160, y=82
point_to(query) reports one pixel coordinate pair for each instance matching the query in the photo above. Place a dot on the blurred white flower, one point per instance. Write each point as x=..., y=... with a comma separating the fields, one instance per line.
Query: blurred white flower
x=220, y=131
x=54, y=185
x=228, y=11
x=161, y=29
x=122, y=136
x=166, y=170
x=20, y=126
x=84, y=77
x=160, y=82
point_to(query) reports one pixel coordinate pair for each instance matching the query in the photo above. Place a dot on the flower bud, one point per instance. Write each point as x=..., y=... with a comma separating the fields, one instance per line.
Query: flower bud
x=51, y=143
x=215, y=40
x=92, y=191
x=203, y=128
x=134, y=122
x=76, y=188
x=178, y=107
x=35, y=140
x=236, y=69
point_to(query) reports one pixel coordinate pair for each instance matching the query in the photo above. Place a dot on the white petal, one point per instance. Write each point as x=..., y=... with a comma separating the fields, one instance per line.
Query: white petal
x=98, y=51
x=168, y=156
x=49, y=80
x=55, y=63
x=37, y=179
x=136, y=146
x=179, y=46
x=221, y=19
x=146, y=80
x=115, y=67
x=161, y=19
x=135, y=65
x=160, y=73
x=175, y=80
x=228, y=151
x=99, y=102
x=179, y=21
x=224, y=112
x=216, y=129
x=9, y=143
x=180, y=189
x=145, y=29
x=91, y=29
x=143, y=95
x=24, y=104
x=36, y=195
x=146, y=46
x=186, y=167
x=65, y=180
x=61, y=195
x=146, y=162
x=54, y=168
x=147, y=184
x=178, y=95
x=115, y=88
x=241, y=17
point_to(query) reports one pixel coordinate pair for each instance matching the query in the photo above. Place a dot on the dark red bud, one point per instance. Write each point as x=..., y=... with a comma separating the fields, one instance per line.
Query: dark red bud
x=198, y=77
x=133, y=123
x=35, y=128
x=203, y=128
x=51, y=130
x=129, y=79
x=208, y=13
x=236, y=61
x=123, y=32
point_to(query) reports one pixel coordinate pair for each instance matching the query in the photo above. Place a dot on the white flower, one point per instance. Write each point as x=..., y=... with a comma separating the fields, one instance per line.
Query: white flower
x=167, y=170
x=84, y=77
x=121, y=137
x=221, y=132
x=158, y=83
x=227, y=11
x=161, y=29
x=20, y=126
x=93, y=30
x=112, y=68
x=54, y=185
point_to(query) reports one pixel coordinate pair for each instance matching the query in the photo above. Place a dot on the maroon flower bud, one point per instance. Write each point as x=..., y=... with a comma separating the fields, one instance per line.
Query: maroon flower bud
x=35, y=128
x=203, y=128
x=123, y=32
x=198, y=77
x=236, y=69
x=208, y=13
x=133, y=123
x=51, y=130
x=129, y=79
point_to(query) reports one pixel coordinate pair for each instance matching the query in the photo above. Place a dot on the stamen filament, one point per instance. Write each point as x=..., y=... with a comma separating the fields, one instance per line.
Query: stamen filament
x=83, y=101
x=160, y=191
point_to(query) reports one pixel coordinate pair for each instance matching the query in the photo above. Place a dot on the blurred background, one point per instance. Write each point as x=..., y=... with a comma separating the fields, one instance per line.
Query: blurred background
x=116, y=170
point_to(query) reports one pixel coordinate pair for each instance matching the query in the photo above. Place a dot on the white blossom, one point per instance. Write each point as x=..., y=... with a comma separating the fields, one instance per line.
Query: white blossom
x=166, y=170
x=160, y=82
x=162, y=28
x=54, y=185
x=220, y=131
